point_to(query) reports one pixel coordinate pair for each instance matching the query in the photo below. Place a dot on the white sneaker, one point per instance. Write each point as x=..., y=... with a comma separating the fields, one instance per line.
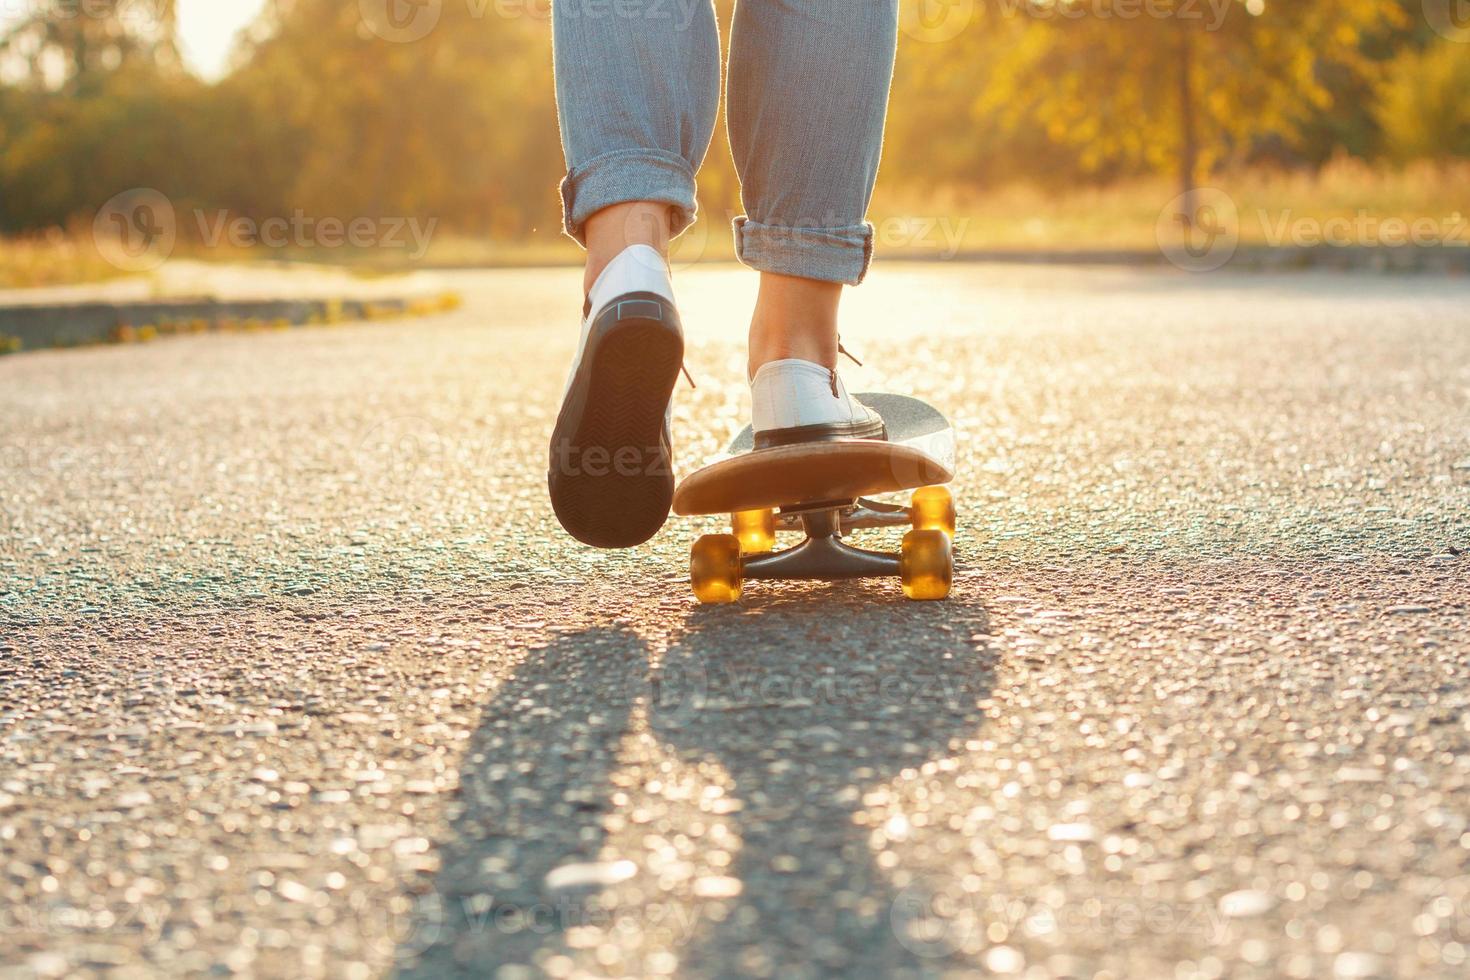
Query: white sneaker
x=611, y=475
x=798, y=401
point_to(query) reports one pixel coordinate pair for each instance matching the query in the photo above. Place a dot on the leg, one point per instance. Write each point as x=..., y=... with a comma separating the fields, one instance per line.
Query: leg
x=637, y=89
x=807, y=101
x=794, y=318
x=613, y=229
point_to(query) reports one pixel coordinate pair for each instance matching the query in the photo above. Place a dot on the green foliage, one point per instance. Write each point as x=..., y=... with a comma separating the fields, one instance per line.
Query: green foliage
x=324, y=118
x=1124, y=87
x=452, y=126
x=1422, y=105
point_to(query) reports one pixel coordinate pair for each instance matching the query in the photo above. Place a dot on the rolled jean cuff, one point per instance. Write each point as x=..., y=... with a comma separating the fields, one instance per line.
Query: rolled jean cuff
x=828, y=254
x=623, y=176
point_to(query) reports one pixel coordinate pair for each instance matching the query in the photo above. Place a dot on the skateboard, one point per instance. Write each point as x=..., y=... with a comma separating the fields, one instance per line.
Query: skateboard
x=826, y=490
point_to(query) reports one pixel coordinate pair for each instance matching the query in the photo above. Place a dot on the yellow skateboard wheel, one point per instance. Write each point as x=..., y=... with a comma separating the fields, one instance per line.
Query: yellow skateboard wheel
x=933, y=507
x=756, y=530
x=715, y=569
x=926, y=564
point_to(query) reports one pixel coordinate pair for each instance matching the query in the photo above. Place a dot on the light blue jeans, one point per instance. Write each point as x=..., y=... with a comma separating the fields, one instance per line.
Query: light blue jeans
x=638, y=90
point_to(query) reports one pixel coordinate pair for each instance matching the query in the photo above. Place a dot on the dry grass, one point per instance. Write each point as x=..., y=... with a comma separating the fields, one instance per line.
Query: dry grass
x=937, y=222
x=1126, y=215
x=52, y=259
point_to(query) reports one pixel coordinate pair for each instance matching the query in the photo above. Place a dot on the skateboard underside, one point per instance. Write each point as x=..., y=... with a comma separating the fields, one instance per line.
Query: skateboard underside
x=721, y=563
x=802, y=477
x=825, y=490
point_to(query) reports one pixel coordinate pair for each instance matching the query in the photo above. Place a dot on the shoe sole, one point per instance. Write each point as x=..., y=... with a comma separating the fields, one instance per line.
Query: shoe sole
x=611, y=476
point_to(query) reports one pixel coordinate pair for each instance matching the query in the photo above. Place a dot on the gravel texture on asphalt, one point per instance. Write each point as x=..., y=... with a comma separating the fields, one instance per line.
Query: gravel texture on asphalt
x=298, y=676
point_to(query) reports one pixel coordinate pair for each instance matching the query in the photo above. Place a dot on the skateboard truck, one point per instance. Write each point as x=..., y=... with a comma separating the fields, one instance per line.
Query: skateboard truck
x=823, y=555
x=720, y=563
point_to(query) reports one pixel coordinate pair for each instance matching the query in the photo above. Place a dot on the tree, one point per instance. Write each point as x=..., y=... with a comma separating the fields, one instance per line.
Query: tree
x=71, y=47
x=458, y=124
x=1168, y=85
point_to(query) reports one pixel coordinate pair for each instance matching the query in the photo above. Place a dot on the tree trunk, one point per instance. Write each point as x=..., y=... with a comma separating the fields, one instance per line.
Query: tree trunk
x=1188, y=145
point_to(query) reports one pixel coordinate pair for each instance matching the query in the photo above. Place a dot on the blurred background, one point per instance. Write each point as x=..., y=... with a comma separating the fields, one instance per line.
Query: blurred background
x=1037, y=125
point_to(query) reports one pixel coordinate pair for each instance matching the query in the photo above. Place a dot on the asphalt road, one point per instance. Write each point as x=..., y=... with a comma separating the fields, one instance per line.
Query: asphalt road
x=299, y=678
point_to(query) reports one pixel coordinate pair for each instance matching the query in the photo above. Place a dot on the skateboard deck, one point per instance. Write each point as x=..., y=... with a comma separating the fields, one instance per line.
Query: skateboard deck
x=823, y=489
x=919, y=452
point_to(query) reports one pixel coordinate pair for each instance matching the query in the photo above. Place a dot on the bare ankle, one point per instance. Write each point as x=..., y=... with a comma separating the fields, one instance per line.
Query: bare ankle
x=794, y=318
x=778, y=345
x=613, y=229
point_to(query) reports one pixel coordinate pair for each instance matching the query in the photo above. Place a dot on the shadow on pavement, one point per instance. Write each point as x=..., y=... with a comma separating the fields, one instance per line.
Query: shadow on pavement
x=807, y=702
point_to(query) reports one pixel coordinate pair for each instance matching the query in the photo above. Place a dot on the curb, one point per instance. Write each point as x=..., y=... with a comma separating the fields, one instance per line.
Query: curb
x=82, y=324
